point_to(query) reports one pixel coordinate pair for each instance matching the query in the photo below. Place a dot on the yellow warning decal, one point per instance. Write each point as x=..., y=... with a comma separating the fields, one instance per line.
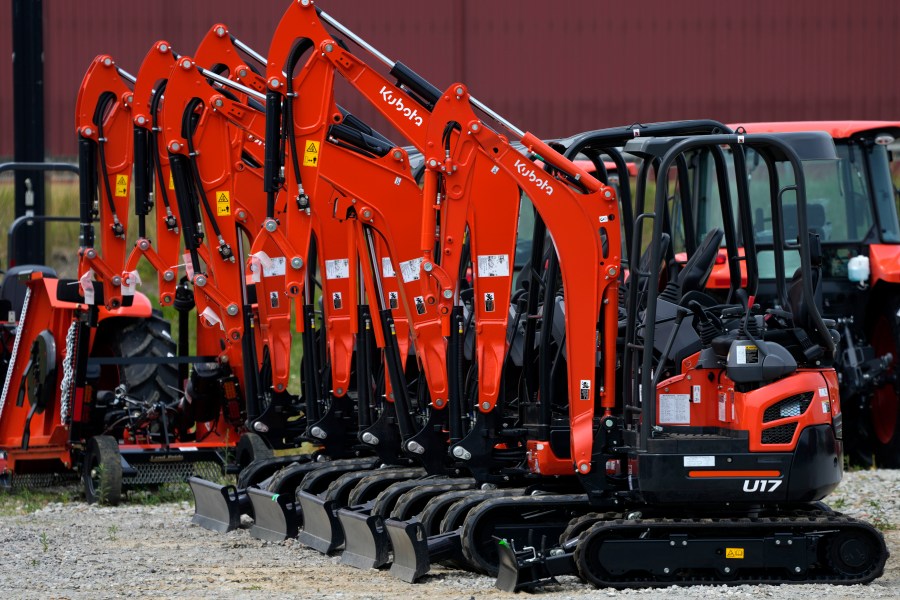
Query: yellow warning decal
x=311, y=154
x=171, y=181
x=121, y=186
x=223, y=203
x=734, y=553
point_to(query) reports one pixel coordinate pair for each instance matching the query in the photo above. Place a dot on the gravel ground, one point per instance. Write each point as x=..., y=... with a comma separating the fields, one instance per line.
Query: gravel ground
x=73, y=550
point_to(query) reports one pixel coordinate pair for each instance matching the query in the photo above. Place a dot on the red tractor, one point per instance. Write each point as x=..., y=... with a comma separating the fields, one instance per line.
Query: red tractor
x=853, y=208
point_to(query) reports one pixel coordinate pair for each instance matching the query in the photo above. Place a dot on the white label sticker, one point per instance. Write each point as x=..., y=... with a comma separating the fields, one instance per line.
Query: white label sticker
x=275, y=268
x=722, y=407
x=696, y=394
x=604, y=218
x=699, y=461
x=387, y=269
x=493, y=265
x=409, y=269
x=675, y=408
x=826, y=407
x=337, y=269
x=747, y=354
x=823, y=392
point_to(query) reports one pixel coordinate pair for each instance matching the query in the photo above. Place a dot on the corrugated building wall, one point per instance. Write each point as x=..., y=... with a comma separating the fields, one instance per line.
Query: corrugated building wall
x=553, y=68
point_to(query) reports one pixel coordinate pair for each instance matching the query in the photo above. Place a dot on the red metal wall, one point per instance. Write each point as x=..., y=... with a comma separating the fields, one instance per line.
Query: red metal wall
x=551, y=67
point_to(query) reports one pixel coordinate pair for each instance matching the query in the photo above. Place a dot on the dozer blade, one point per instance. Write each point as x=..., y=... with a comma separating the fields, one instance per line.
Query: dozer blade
x=217, y=507
x=508, y=575
x=414, y=551
x=321, y=528
x=276, y=516
x=366, y=543
x=528, y=569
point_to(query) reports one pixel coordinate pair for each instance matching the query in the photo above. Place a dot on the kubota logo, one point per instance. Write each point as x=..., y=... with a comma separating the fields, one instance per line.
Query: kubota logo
x=542, y=184
x=411, y=114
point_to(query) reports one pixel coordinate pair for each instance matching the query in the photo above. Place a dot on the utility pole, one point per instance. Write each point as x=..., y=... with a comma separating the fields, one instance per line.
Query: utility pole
x=28, y=123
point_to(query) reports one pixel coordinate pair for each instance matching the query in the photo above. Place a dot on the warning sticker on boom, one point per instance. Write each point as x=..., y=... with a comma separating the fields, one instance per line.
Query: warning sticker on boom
x=387, y=269
x=585, y=389
x=122, y=186
x=409, y=269
x=493, y=265
x=311, y=154
x=171, y=181
x=223, y=203
x=337, y=269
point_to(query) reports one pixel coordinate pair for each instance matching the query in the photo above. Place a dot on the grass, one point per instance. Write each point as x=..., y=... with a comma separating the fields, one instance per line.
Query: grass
x=25, y=501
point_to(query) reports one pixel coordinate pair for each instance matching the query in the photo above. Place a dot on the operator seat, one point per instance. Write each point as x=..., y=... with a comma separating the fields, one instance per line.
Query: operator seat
x=12, y=291
x=696, y=271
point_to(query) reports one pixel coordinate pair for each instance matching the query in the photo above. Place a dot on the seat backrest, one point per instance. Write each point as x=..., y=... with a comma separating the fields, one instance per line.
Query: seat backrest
x=13, y=291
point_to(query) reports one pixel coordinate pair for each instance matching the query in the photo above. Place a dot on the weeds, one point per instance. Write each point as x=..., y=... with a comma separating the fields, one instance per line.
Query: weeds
x=25, y=501
x=168, y=492
x=45, y=541
x=113, y=530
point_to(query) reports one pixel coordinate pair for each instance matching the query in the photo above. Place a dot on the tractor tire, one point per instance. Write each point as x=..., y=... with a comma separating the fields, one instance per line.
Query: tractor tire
x=884, y=408
x=251, y=447
x=102, y=471
x=147, y=337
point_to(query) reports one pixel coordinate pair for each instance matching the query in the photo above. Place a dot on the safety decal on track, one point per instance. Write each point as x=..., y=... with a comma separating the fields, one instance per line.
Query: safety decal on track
x=311, y=154
x=122, y=186
x=734, y=553
x=337, y=269
x=223, y=203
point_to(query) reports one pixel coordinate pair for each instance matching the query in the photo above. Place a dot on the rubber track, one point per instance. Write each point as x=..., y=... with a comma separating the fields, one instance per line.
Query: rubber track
x=823, y=522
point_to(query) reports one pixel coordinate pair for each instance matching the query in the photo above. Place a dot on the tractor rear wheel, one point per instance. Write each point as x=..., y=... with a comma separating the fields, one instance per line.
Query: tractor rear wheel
x=137, y=337
x=251, y=447
x=884, y=410
x=102, y=471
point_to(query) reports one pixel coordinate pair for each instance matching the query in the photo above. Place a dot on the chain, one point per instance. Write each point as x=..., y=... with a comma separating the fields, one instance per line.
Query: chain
x=68, y=375
x=15, y=351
